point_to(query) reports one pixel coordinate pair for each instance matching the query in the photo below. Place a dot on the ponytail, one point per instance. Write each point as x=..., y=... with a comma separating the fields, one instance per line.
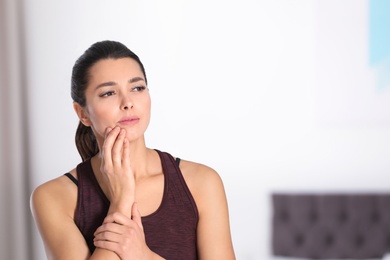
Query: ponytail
x=86, y=142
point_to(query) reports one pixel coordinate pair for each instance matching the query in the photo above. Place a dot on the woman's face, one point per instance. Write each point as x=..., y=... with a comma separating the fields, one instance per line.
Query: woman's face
x=117, y=95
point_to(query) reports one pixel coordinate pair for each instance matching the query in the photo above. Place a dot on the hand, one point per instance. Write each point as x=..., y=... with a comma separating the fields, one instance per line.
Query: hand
x=124, y=236
x=117, y=172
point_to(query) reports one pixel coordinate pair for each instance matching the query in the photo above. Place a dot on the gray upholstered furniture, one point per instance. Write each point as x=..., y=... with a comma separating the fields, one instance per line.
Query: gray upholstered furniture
x=331, y=226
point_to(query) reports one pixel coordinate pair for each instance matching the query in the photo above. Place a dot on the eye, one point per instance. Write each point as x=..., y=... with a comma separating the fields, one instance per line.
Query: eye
x=107, y=94
x=138, y=89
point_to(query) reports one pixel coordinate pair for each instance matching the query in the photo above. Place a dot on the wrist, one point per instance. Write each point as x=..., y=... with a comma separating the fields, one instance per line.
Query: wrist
x=155, y=256
x=124, y=208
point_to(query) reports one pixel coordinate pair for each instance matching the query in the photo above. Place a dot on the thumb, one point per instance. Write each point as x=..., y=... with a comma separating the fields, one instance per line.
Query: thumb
x=135, y=215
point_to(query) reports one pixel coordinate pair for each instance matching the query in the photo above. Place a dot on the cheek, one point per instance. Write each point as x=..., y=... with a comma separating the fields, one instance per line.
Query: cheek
x=145, y=109
x=99, y=120
x=147, y=106
x=148, y=102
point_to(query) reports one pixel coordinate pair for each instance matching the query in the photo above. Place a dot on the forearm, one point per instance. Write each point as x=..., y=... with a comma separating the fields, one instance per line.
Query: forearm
x=123, y=206
x=155, y=256
x=100, y=254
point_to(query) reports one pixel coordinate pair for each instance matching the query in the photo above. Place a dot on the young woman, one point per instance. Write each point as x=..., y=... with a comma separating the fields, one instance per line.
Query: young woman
x=124, y=200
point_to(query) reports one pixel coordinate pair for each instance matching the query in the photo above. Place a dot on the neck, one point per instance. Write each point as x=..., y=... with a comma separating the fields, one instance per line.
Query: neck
x=139, y=155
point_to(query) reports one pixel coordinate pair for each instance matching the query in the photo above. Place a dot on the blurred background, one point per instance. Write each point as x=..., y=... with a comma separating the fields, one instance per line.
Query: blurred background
x=275, y=95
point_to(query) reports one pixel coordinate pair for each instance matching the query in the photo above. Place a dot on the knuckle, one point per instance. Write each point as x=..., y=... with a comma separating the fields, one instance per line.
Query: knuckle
x=104, y=236
x=132, y=232
x=116, y=215
x=122, y=248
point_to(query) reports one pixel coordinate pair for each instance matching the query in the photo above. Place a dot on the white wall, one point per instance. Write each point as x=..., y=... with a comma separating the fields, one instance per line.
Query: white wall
x=234, y=84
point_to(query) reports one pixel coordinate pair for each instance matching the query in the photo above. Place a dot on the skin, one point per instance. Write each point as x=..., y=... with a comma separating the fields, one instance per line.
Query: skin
x=126, y=168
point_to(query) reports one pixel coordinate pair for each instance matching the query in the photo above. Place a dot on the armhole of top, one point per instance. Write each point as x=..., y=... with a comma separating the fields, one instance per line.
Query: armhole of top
x=72, y=178
x=75, y=181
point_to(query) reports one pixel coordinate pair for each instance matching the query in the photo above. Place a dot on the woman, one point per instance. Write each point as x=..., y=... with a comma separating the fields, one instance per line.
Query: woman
x=124, y=200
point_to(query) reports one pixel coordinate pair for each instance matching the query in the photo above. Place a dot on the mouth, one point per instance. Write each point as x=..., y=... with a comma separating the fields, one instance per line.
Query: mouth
x=131, y=120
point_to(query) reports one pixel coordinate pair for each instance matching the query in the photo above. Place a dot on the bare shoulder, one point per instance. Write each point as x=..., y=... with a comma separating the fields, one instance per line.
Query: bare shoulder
x=199, y=174
x=60, y=192
x=203, y=181
x=213, y=231
x=53, y=205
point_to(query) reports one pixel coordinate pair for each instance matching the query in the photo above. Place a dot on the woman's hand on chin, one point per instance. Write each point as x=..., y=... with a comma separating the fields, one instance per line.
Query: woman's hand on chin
x=117, y=172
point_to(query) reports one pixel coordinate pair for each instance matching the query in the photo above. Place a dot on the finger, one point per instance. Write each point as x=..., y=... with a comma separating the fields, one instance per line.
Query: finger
x=109, y=245
x=109, y=141
x=111, y=134
x=110, y=227
x=126, y=154
x=136, y=216
x=118, y=218
x=108, y=235
x=117, y=149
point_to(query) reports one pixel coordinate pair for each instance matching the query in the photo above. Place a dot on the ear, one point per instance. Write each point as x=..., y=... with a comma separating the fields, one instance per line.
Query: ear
x=82, y=114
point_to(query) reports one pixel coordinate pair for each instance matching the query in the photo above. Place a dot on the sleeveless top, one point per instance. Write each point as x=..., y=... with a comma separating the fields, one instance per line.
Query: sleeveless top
x=170, y=231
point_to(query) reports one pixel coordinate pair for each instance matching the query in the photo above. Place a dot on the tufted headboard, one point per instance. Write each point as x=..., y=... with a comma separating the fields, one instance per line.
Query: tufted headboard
x=331, y=226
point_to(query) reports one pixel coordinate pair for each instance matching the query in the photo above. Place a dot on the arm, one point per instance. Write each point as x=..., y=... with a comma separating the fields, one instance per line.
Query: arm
x=116, y=226
x=122, y=231
x=214, y=238
x=51, y=206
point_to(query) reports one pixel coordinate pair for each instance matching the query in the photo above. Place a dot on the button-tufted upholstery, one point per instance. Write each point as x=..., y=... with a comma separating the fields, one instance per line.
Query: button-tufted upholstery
x=333, y=226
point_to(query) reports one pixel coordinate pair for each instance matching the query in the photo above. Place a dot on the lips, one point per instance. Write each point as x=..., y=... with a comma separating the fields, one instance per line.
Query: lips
x=128, y=120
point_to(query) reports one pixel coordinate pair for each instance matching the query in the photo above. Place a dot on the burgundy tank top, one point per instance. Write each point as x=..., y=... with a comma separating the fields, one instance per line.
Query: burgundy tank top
x=170, y=231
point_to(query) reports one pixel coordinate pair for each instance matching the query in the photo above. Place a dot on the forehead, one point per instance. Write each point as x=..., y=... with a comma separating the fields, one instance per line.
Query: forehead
x=114, y=69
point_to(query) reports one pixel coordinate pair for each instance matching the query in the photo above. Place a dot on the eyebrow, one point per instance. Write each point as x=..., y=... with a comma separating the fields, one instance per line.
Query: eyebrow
x=113, y=83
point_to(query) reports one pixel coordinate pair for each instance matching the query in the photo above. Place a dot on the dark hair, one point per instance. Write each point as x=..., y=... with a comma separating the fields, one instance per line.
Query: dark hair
x=85, y=139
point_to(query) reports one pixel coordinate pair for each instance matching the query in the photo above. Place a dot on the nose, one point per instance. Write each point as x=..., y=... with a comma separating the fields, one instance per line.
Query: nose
x=126, y=103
